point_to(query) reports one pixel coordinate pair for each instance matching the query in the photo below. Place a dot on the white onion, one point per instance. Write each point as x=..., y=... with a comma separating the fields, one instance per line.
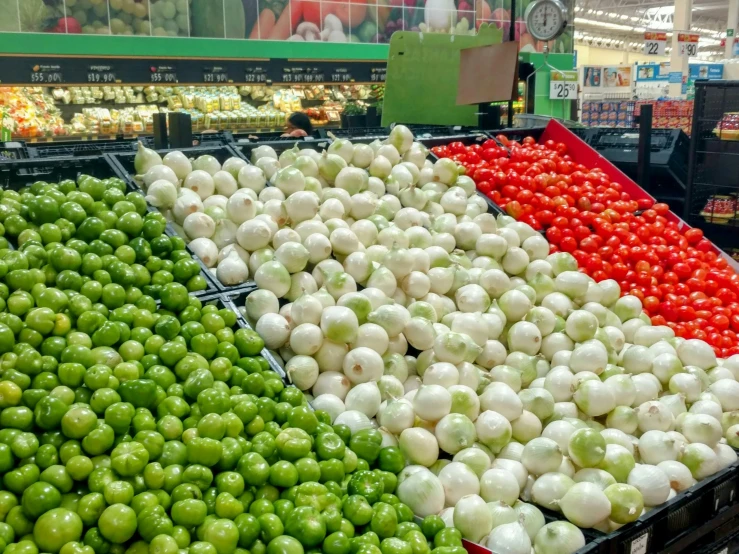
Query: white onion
x=585, y=504
x=499, y=485
x=651, y=482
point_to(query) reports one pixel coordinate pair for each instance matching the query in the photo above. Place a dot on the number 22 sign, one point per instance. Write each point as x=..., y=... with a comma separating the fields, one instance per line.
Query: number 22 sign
x=655, y=43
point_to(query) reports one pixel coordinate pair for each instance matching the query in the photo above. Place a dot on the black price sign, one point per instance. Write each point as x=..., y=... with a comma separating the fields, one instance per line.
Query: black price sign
x=164, y=74
x=256, y=75
x=46, y=75
x=100, y=74
x=215, y=75
x=302, y=75
x=341, y=75
x=378, y=74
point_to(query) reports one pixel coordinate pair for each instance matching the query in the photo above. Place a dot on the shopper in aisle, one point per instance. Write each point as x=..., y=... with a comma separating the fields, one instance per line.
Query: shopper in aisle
x=298, y=125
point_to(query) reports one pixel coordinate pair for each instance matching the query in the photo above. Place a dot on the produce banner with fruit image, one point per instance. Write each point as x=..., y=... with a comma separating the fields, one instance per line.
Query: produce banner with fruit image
x=334, y=21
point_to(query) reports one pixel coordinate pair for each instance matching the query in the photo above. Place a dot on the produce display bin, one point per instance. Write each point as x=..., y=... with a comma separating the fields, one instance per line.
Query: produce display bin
x=75, y=149
x=213, y=283
x=236, y=299
x=242, y=136
x=280, y=145
x=584, y=154
x=682, y=521
x=125, y=161
x=17, y=174
x=223, y=301
x=13, y=151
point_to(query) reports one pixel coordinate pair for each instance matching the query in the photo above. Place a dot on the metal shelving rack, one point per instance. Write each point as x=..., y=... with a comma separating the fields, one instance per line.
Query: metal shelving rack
x=712, y=200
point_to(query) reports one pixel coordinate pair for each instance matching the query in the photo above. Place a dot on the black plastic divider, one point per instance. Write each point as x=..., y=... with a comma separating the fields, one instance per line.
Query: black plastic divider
x=242, y=137
x=235, y=299
x=19, y=173
x=245, y=148
x=211, y=138
x=214, y=285
x=223, y=301
x=78, y=148
x=125, y=170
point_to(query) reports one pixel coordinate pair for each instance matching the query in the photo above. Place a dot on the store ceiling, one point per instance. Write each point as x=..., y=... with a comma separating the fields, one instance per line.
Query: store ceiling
x=620, y=24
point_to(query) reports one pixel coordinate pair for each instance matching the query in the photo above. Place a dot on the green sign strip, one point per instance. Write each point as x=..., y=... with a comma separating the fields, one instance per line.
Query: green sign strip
x=92, y=45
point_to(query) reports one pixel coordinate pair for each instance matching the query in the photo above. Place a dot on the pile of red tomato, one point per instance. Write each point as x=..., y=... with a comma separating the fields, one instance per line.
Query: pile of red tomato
x=681, y=281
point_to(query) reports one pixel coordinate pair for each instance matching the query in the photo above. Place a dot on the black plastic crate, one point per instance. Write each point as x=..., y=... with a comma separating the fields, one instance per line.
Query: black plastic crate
x=18, y=173
x=444, y=139
x=680, y=523
x=516, y=134
x=13, y=151
x=74, y=149
x=206, y=138
x=223, y=302
x=245, y=148
x=127, y=171
x=242, y=136
x=209, y=275
x=359, y=133
x=236, y=299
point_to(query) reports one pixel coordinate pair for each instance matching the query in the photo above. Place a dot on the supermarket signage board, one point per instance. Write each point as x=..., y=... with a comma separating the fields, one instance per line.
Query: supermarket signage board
x=687, y=44
x=563, y=85
x=655, y=43
x=423, y=76
x=57, y=71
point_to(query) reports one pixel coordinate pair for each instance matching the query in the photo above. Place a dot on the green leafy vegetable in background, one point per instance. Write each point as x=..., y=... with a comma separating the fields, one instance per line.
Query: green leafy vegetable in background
x=34, y=15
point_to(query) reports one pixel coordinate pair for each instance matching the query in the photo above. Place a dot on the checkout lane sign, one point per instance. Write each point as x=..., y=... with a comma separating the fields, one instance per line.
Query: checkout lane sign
x=655, y=43
x=687, y=44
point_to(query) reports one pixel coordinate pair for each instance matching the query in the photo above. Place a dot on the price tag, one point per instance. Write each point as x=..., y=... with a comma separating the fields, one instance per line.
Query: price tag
x=46, y=75
x=378, y=74
x=639, y=544
x=563, y=85
x=687, y=44
x=215, y=75
x=655, y=43
x=256, y=75
x=164, y=74
x=341, y=75
x=100, y=74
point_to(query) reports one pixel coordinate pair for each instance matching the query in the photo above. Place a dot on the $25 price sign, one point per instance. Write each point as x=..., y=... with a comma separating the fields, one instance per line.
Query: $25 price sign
x=563, y=85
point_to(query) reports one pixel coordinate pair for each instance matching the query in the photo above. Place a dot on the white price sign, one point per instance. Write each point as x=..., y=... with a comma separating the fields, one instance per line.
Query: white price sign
x=639, y=545
x=655, y=43
x=563, y=85
x=687, y=44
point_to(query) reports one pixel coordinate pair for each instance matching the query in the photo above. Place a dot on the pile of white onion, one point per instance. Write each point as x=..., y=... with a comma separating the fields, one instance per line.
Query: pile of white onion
x=505, y=376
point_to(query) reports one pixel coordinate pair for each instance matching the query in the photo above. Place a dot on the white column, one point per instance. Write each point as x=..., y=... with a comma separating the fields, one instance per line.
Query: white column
x=680, y=22
x=732, y=25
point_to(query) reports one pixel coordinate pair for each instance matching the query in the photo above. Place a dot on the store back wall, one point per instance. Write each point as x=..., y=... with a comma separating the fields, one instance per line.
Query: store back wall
x=591, y=55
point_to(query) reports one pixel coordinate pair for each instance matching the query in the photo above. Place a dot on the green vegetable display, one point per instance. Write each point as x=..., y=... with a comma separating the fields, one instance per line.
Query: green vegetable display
x=143, y=425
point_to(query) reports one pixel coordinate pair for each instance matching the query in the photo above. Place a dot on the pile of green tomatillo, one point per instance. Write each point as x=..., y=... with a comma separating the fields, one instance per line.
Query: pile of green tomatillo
x=129, y=423
x=93, y=238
